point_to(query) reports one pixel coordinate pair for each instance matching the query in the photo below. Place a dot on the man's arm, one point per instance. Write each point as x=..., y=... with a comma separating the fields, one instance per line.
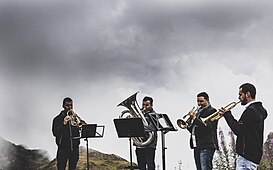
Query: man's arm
x=246, y=122
x=59, y=124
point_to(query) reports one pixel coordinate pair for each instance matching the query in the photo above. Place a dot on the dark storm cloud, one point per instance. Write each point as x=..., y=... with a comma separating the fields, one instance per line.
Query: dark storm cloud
x=93, y=40
x=171, y=33
x=51, y=38
x=27, y=31
x=195, y=27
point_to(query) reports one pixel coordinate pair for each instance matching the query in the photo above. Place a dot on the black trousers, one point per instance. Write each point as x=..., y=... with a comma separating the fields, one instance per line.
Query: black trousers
x=66, y=154
x=145, y=158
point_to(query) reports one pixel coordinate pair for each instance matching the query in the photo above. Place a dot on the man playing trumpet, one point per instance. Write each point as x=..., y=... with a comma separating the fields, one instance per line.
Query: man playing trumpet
x=68, y=148
x=203, y=138
x=249, y=129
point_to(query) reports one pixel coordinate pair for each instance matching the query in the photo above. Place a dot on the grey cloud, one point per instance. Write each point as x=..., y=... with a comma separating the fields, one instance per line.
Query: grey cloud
x=50, y=38
x=42, y=37
x=50, y=42
x=216, y=30
x=196, y=27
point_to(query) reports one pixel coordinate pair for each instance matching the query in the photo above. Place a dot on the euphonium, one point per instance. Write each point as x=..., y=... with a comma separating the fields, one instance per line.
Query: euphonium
x=216, y=115
x=187, y=119
x=134, y=111
x=75, y=119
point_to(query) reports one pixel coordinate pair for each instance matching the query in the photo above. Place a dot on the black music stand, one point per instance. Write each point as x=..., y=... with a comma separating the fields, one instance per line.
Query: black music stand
x=90, y=131
x=163, y=124
x=128, y=128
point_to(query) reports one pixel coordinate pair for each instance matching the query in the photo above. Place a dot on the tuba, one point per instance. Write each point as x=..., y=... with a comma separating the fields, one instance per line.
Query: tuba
x=187, y=120
x=75, y=119
x=134, y=111
x=216, y=116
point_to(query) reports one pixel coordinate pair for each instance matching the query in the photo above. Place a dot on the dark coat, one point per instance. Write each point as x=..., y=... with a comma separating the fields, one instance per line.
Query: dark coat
x=62, y=133
x=206, y=136
x=250, y=131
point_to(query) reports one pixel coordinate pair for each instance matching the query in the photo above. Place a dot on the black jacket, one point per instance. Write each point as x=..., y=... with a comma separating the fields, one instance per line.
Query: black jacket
x=62, y=133
x=249, y=130
x=206, y=136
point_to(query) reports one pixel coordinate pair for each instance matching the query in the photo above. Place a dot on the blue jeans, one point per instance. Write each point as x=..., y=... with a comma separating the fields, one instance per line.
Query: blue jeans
x=244, y=164
x=203, y=158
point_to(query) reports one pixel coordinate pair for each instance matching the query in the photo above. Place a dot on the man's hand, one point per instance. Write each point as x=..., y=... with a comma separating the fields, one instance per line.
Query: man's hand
x=66, y=119
x=222, y=111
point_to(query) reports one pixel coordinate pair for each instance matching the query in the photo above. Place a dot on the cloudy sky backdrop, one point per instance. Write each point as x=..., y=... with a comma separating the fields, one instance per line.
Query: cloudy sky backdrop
x=101, y=52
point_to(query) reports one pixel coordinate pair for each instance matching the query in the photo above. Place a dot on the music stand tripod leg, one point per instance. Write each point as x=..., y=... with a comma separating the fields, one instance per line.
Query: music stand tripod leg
x=163, y=150
x=86, y=139
x=71, y=137
x=131, y=162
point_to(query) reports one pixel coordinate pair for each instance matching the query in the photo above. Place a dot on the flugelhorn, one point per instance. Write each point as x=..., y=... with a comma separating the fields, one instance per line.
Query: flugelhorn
x=75, y=119
x=187, y=119
x=216, y=115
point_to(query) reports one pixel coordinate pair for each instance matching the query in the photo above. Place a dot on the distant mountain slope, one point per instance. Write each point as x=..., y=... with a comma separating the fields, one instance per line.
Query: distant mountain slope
x=13, y=157
x=97, y=161
x=17, y=157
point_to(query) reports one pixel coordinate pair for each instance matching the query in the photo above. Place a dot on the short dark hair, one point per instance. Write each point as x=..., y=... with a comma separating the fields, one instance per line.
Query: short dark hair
x=203, y=94
x=247, y=87
x=67, y=99
x=146, y=98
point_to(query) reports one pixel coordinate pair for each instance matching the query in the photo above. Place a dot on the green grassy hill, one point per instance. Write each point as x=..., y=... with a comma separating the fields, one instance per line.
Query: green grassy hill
x=17, y=157
x=97, y=161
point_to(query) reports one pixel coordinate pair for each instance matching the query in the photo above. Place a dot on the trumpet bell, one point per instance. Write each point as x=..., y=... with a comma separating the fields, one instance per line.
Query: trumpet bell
x=182, y=124
x=187, y=119
x=75, y=119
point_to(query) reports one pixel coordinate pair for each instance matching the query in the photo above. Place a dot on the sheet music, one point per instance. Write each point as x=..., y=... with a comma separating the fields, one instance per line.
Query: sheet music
x=162, y=122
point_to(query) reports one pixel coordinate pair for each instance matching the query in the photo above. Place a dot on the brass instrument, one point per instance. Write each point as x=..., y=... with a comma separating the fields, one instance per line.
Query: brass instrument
x=187, y=119
x=216, y=115
x=134, y=111
x=75, y=119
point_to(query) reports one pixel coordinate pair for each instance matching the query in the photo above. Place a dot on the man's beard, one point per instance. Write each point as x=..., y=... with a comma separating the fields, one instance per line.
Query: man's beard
x=244, y=101
x=147, y=110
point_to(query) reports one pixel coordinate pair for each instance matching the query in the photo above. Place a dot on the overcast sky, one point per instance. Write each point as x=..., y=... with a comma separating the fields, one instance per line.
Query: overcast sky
x=101, y=52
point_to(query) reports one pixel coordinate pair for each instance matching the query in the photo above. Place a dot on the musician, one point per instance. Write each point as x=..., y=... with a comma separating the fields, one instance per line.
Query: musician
x=68, y=148
x=249, y=129
x=203, y=138
x=146, y=155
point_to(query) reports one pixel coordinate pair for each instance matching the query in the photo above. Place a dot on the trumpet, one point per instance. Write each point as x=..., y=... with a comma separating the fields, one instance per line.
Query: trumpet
x=216, y=116
x=75, y=119
x=187, y=119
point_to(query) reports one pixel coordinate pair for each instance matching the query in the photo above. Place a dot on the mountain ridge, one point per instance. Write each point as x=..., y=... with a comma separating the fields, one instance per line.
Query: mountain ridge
x=17, y=157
